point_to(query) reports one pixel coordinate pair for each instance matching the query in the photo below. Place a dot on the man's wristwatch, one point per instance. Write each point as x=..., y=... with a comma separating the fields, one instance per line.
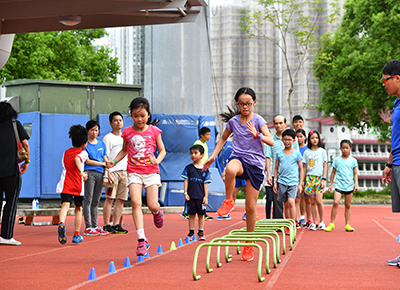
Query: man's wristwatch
x=389, y=165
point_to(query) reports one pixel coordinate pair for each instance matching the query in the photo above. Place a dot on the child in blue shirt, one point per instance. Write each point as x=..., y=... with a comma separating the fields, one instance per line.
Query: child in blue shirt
x=346, y=182
x=195, y=188
x=288, y=164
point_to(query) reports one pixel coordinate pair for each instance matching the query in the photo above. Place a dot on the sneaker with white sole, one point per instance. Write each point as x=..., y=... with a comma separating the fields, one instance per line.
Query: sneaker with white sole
x=10, y=242
x=91, y=232
x=142, y=247
x=302, y=222
x=322, y=226
x=223, y=218
x=101, y=231
x=394, y=262
x=313, y=227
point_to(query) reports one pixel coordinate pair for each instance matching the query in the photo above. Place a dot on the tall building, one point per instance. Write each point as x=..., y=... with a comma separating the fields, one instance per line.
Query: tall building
x=237, y=60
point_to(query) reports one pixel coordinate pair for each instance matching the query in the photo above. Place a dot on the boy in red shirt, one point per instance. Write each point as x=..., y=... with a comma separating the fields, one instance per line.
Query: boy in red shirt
x=71, y=183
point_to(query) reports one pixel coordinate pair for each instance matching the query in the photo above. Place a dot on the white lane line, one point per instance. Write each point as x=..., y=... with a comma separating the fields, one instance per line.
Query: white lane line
x=282, y=265
x=383, y=228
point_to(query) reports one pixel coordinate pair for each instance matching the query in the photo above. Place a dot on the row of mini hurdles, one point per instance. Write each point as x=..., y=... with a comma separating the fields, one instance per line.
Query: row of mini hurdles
x=266, y=231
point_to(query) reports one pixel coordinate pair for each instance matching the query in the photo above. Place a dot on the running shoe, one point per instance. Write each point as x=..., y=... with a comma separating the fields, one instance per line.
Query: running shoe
x=302, y=222
x=61, y=234
x=190, y=235
x=248, y=253
x=119, y=230
x=297, y=225
x=142, y=247
x=394, y=261
x=227, y=206
x=101, y=231
x=77, y=239
x=185, y=216
x=10, y=242
x=244, y=217
x=158, y=218
x=313, y=227
x=330, y=227
x=321, y=226
x=287, y=231
x=109, y=229
x=91, y=232
x=201, y=236
x=223, y=218
x=208, y=218
x=308, y=224
x=349, y=228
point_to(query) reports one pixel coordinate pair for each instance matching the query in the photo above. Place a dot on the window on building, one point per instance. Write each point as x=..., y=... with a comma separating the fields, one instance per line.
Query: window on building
x=368, y=148
x=383, y=165
x=360, y=148
x=367, y=166
x=368, y=183
x=375, y=148
x=375, y=183
x=331, y=129
x=375, y=166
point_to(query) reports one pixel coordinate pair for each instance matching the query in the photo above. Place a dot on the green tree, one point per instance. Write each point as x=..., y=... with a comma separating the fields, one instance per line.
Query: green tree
x=60, y=55
x=296, y=21
x=348, y=65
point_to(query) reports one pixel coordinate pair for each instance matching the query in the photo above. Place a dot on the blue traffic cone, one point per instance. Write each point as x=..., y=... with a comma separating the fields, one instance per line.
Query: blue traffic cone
x=127, y=263
x=140, y=259
x=187, y=240
x=147, y=255
x=398, y=239
x=111, y=268
x=194, y=238
x=159, y=250
x=92, y=275
x=180, y=244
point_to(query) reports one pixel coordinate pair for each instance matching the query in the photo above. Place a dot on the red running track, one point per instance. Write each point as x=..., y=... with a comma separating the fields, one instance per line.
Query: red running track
x=319, y=260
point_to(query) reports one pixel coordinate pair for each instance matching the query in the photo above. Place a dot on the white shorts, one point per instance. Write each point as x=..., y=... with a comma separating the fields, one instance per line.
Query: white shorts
x=145, y=179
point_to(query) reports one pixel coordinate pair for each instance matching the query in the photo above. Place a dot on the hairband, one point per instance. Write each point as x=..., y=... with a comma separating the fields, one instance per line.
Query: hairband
x=312, y=132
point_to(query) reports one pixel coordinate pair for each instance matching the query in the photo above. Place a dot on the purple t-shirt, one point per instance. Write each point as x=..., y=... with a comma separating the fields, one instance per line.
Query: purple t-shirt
x=243, y=143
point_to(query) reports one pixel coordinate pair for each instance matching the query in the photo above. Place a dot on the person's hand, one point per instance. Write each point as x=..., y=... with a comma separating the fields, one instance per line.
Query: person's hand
x=84, y=175
x=276, y=188
x=300, y=188
x=323, y=184
x=187, y=197
x=105, y=181
x=355, y=188
x=208, y=163
x=269, y=180
x=205, y=200
x=24, y=167
x=110, y=163
x=330, y=188
x=252, y=129
x=153, y=160
x=386, y=175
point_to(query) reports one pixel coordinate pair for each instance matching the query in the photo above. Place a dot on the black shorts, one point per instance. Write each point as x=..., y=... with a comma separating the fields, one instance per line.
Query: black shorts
x=66, y=197
x=343, y=192
x=196, y=206
x=255, y=174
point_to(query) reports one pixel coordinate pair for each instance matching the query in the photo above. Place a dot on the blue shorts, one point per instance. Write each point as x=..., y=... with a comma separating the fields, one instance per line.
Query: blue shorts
x=255, y=174
x=195, y=206
x=240, y=182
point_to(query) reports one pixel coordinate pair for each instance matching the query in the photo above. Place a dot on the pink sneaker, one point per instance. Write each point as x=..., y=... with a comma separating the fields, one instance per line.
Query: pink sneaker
x=142, y=247
x=158, y=218
x=101, y=231
x=91, y=232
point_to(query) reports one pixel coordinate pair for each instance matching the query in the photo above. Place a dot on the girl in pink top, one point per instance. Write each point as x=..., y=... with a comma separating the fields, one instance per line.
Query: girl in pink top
x=140, y=142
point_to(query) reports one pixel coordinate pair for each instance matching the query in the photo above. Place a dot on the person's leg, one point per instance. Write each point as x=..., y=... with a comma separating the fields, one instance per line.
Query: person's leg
x=302, y=204
x=269, y=192
x=336, y=201
x=78, y=218
x=63, y=212
x=307, y=203
x=347, y=208
x=62, y=238
x=107, y=207
x=277, y=210
x=314, y=209
x=97, y=190
x=320, y=206
x=297, y=202
x=118, y=209
x=135, y=191
x=395, y=193
x=87, y=203
x=11, y=185
x=192, y=218
x=234, y=168
x=251, y=206
x=291, y=209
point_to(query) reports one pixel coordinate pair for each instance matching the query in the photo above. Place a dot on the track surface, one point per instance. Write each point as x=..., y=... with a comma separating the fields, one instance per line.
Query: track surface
x=319, y=260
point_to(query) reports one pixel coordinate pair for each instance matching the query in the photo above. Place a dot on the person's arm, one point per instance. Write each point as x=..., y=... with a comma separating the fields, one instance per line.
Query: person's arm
x=25, y=165
x=268, y=169
x=301, y=183
x=355, y=179
x=161, y=150
x=332, y=179
x=119, y=157
x=185, y=188
x=78, y=165
x=276, y=176
x=323, y=182
x=387, y=172
x=303, y=177
x=205, y=199
x=265, y=135
x=221, y=142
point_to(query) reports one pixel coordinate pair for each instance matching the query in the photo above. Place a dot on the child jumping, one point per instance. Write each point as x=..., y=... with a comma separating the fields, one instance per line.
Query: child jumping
x=247, y=160
x=195, y=188
x=70, y=185
x=288, y=164
x=346, y=182
x=140, y=141
x=314, y=174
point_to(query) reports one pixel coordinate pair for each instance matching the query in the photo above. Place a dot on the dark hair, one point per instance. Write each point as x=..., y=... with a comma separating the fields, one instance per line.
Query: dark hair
x=7, y=112
x=297, y=117
x=289, y=132
x=78, y=135
x=143, y=103
x=204, y=130
x=111, y=117
x=345, y=141
x=232, y=112
x=301, y=131
x=309, y=145
x=92, y=123
x=392, y=67
x=284, y=119
x=197, y=147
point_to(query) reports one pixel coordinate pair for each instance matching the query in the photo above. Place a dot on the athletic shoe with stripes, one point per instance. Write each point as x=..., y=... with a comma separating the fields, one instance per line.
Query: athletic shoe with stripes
x=61, y=234
x=227, y=206
x=142, y=247
x=158, y=218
